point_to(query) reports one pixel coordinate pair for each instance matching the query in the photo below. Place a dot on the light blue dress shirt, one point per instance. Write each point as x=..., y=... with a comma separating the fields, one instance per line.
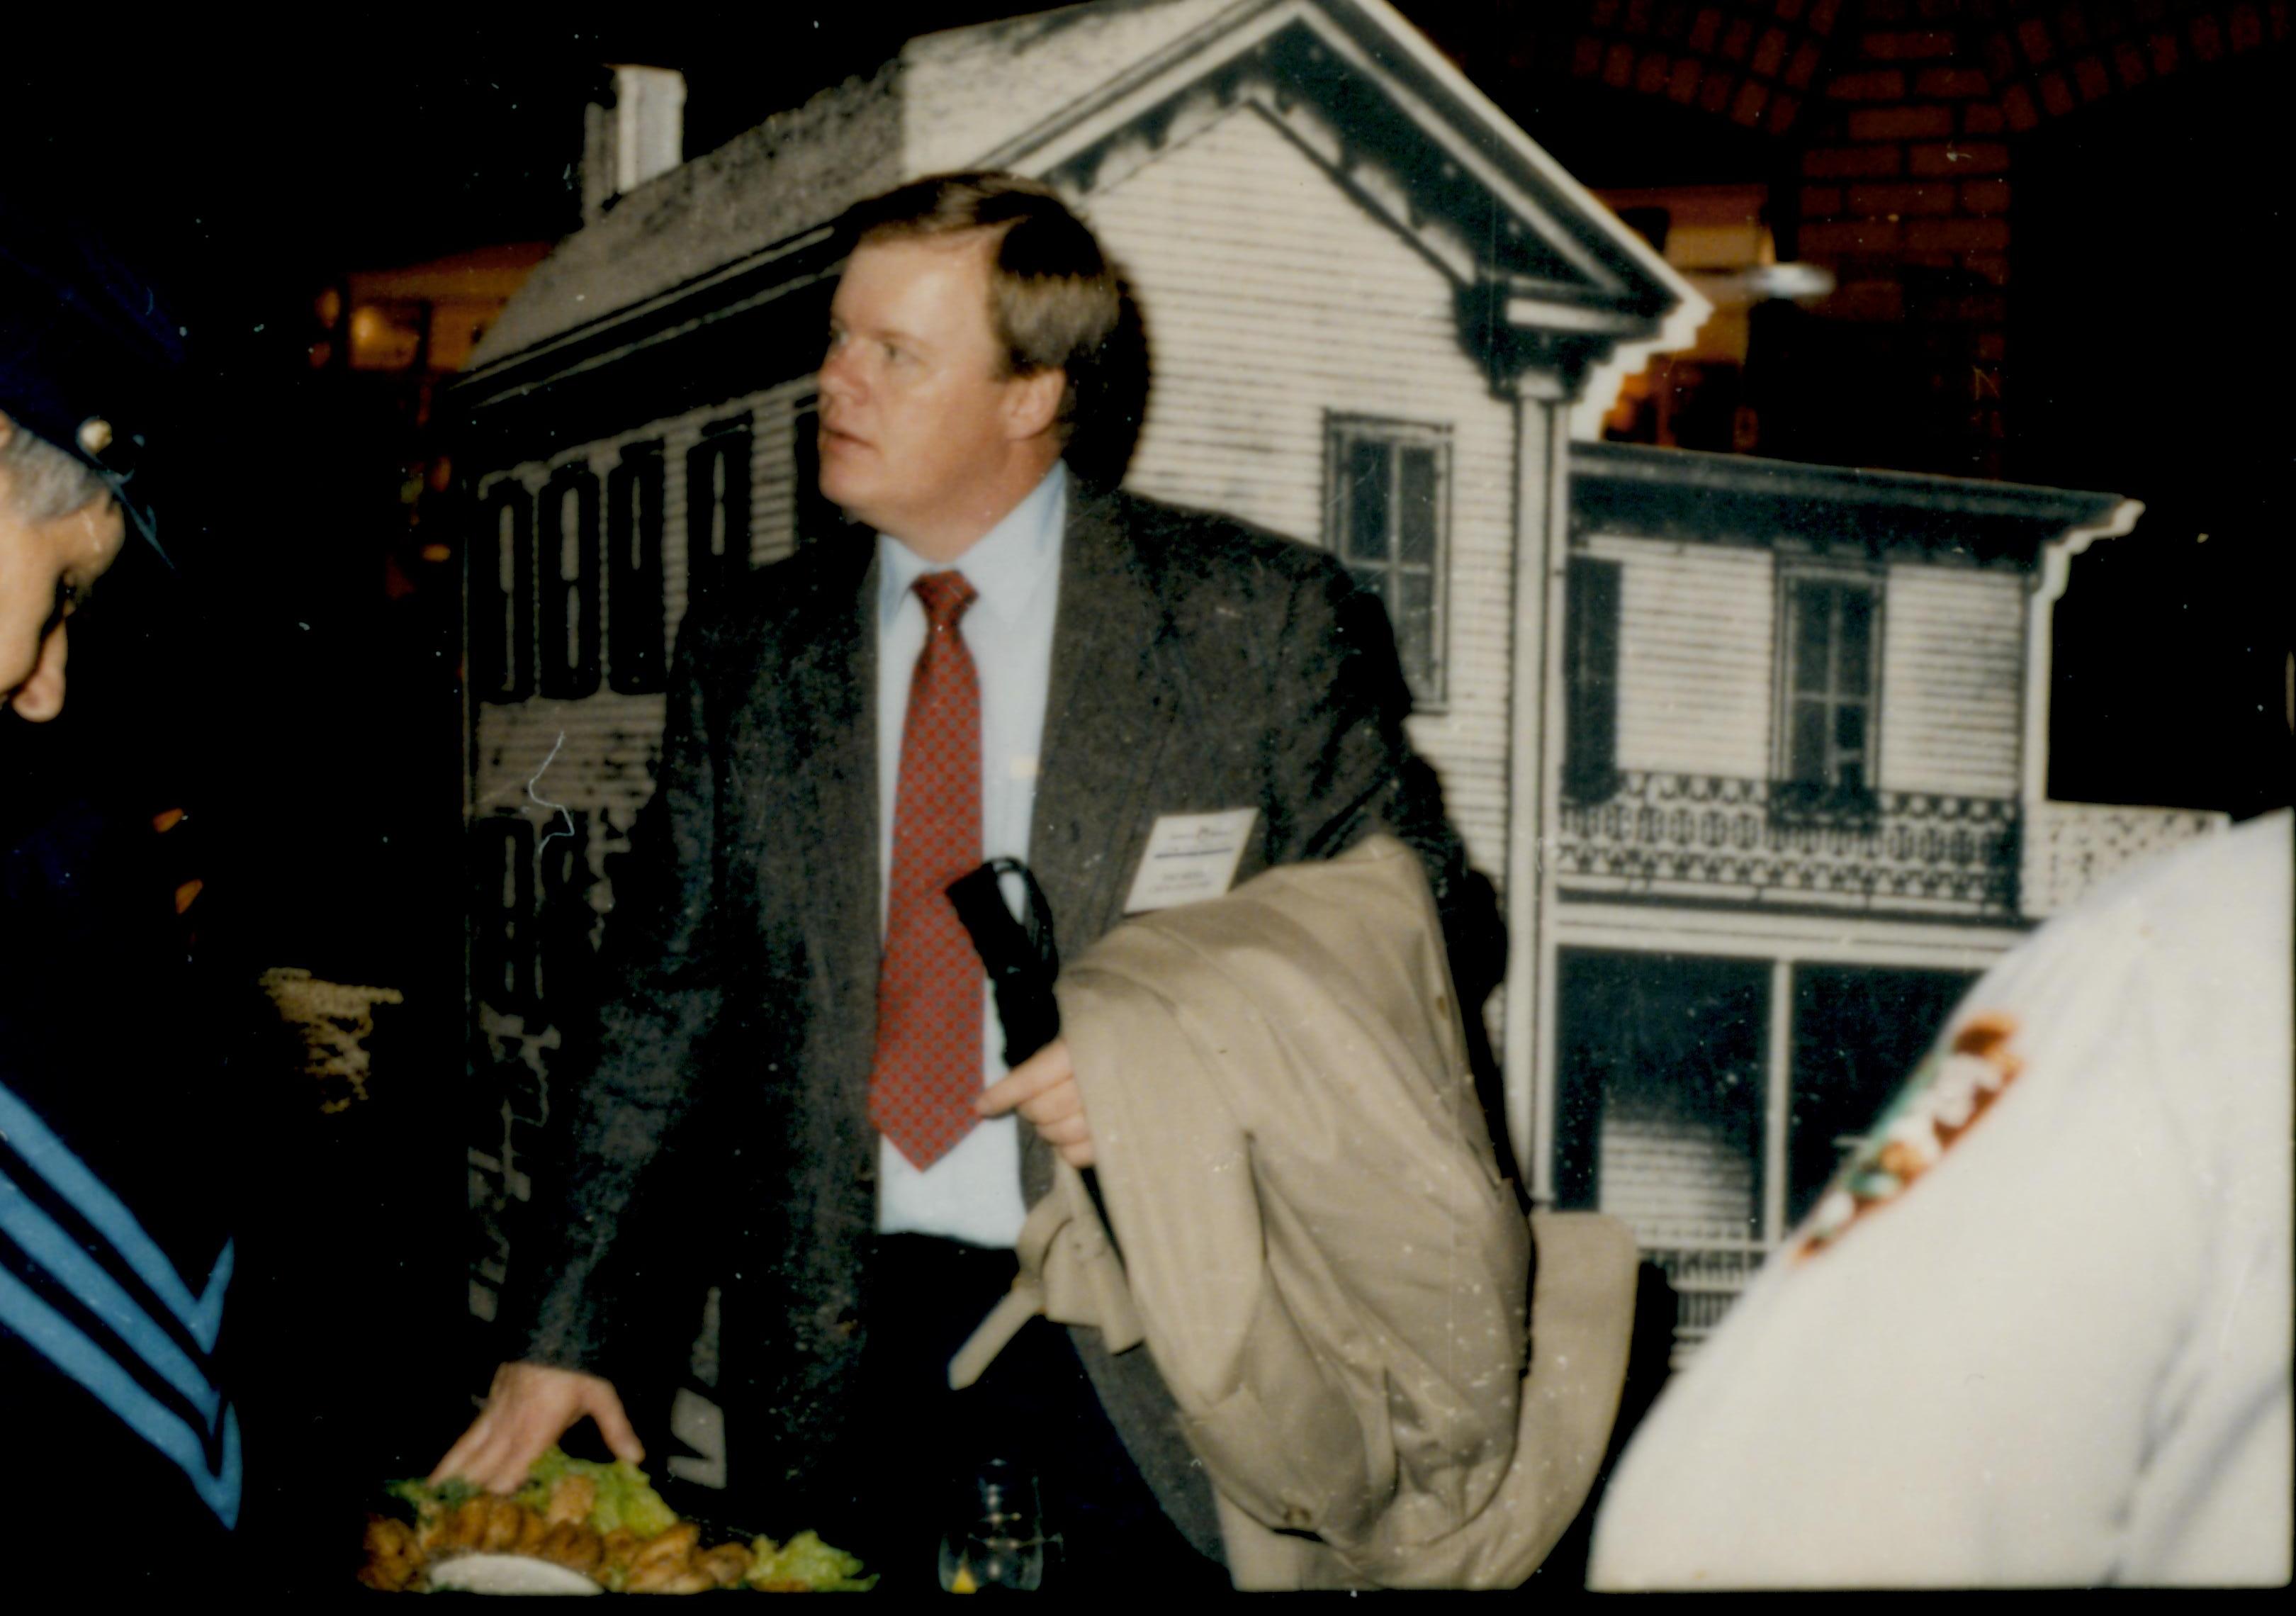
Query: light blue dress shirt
x=973, y=1193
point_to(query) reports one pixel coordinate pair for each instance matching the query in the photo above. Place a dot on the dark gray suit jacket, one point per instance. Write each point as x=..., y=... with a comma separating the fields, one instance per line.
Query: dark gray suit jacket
x=1198, y=665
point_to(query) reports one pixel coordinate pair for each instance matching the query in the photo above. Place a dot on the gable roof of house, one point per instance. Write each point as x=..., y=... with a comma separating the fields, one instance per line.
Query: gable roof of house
x=1546, y=276
x=1389, y=101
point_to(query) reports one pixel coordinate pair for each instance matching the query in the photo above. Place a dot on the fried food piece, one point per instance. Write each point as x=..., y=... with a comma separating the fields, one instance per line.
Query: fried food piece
x=532, y=1531
x=571, y=1499
x=504, y=1521
x=674, y=1548
x=668, y=1578
x=573, y=1545
x=616, y=1549
x=458, y=1530
x=394, y=1558
x=664, y=1564
x=726, y=1563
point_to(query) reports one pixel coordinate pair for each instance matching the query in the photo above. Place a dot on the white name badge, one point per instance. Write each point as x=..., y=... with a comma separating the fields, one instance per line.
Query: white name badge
x=1190, y=856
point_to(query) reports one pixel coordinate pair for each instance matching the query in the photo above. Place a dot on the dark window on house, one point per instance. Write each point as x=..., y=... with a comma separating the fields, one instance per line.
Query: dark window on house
x=502, y=912
x=1389, y=507
x=501, y=595
x=1590, y=675
x=567, y=537
x=1831, y=643
x=634, y=601
x=718, y=509
x=813, y=517
x=1658, y=1109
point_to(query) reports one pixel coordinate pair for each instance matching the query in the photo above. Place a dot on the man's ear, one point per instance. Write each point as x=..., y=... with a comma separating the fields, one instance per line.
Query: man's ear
x=1032, y=403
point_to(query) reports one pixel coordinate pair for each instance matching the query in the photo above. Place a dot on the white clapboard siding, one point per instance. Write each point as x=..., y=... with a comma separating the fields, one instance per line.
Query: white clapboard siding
x=1695, y=664
x=1951, y=670
x=773, y=472
x=1273, y=299
x=604, y=746
x=1664, y=1174
x=969, y=90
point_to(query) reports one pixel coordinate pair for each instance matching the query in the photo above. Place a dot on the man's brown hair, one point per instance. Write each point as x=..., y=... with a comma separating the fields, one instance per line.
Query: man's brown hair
x=1054, y=303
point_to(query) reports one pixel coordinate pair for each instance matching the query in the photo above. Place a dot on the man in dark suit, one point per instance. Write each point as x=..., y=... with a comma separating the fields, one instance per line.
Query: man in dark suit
x=797, y=1071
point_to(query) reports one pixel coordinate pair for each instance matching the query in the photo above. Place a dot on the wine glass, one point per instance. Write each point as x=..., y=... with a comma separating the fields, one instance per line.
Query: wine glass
x=995, y=1538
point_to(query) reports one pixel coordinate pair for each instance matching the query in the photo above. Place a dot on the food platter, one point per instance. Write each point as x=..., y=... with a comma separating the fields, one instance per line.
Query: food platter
x=580, y=1527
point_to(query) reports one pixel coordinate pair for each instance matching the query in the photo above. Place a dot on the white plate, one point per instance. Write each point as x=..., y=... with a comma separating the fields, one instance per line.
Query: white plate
x=507, y=1574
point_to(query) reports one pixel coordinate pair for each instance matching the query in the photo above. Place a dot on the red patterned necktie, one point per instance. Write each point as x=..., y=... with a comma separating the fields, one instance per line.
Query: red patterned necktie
x=929, y=993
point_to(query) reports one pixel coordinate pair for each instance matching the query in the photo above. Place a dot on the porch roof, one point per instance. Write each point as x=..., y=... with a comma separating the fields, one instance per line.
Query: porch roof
x=1691, y=497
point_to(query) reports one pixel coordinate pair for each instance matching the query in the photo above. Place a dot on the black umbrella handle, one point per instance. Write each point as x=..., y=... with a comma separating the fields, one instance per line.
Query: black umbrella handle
x=1021, y=958
x=1023, y=961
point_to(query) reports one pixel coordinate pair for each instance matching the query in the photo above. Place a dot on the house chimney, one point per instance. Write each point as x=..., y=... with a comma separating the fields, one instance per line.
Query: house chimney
x=635, y=131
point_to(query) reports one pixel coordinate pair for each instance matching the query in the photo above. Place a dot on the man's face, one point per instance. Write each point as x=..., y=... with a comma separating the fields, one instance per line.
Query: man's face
x=923, y=434
x=46, y=569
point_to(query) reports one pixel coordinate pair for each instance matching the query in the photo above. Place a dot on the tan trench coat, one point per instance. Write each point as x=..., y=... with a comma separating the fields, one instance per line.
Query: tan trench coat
x=1318, y=1249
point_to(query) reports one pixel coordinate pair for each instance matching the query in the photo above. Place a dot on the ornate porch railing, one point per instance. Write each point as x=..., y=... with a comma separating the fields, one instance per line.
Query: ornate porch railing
x=1708, y=1270
x=1770, y=842
x=2071, y=847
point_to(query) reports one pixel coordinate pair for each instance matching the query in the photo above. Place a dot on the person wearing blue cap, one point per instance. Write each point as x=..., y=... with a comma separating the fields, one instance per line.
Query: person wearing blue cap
x=115, y=1216
x=86, y=356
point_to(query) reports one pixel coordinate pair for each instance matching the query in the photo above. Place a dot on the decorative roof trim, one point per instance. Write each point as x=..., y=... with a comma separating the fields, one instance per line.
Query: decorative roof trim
x=1474, y=137
x=1684, y=495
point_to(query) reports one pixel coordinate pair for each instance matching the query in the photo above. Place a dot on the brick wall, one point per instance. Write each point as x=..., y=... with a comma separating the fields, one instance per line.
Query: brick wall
x=1905, y=193
x=1752, y=61
x=1896, y=123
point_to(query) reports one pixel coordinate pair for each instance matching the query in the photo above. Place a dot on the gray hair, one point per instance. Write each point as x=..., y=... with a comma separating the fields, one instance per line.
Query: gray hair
x=44, y=482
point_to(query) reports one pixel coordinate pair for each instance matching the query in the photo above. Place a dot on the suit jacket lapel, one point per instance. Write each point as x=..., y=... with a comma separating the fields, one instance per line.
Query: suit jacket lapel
x=1116, y=682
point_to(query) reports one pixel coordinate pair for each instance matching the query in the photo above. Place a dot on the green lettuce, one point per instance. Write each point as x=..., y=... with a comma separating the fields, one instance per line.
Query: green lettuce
x=625, y=1495
x=806, y=1559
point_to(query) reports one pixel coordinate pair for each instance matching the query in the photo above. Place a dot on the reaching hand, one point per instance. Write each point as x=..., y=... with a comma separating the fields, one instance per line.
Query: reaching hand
x=1043, y=1089
x=527, y=1408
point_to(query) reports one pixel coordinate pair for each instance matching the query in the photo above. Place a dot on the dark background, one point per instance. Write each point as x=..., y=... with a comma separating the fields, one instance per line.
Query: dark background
x=297, y=683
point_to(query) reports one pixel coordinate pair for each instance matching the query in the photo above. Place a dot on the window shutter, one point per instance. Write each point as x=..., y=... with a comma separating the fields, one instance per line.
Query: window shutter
x=1590, y=663
x=570, y=641
x=502, y=912
x=501, y=596
x=718, y=509
x=634, y=577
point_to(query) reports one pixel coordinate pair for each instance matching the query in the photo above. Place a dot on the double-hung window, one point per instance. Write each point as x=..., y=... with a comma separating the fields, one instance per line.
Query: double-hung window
x=1830, y=675
x=1388, y=513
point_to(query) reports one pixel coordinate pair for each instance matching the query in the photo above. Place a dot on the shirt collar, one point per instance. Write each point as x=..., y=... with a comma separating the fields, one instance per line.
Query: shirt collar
x=1005, y=565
